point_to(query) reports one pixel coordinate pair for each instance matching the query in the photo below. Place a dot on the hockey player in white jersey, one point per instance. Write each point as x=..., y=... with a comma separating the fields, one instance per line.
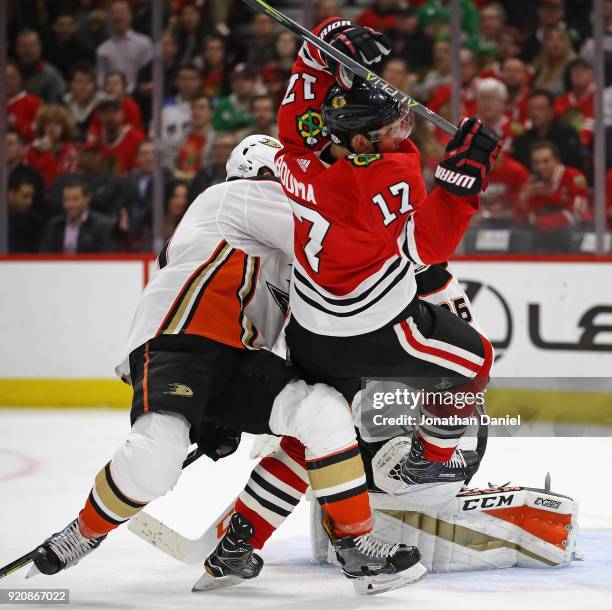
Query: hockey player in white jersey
x=198, y=359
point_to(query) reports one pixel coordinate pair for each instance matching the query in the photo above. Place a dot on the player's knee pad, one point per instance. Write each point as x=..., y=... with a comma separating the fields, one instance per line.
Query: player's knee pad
x=148, y=463
x=317, y=415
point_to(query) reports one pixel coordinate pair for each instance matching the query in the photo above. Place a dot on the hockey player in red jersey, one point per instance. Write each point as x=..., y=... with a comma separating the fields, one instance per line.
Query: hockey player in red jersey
x=280, y=479
x=364, y=223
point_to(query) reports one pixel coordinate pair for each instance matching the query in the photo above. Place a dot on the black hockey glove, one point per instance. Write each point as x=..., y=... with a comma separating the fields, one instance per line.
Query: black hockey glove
x=364, y=45
x=218, y=442
x=468, y=159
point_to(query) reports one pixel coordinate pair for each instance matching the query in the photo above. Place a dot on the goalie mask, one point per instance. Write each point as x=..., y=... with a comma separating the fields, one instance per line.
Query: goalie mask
x=364, y=110
x=252, y=155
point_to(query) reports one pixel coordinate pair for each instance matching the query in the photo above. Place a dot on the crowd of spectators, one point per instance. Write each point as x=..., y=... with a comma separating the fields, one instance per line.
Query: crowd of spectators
x=80, y=82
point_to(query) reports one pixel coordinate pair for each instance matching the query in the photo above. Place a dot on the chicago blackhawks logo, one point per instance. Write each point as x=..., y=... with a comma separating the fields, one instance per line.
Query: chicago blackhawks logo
x=364, y=159
x=338, y=101
x=310, y=126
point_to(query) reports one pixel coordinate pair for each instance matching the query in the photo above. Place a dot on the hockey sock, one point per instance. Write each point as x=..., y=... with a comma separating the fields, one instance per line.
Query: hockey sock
x=274, y=489
x=106, y=507
x=440, y=434
x=339, y=484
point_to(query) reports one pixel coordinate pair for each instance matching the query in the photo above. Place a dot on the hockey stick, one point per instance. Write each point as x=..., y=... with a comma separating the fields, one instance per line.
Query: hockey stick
x=355, y=67
x=22, y=562
x=170, y=542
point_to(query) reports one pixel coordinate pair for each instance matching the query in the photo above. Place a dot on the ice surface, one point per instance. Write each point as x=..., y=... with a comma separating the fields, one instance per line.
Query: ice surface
x=48, y=460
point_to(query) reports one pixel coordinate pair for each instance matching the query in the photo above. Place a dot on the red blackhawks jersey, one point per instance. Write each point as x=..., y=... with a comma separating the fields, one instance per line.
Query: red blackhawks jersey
x=362, y=224
x=21, y=113
x=565, y=203
x=506, y=181
x=579, y=112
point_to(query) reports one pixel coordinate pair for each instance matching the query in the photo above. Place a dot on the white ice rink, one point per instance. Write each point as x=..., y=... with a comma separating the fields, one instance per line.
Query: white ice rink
x=48, y=460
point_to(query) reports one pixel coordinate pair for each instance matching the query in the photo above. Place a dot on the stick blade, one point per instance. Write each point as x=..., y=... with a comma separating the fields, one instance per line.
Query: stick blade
x=162, y=537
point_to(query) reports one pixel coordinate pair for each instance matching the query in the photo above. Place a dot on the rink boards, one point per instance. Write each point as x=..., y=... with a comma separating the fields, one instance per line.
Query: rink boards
x=63, y=321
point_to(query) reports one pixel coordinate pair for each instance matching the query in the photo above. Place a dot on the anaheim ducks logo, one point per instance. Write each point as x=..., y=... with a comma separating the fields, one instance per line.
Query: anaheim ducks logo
x=179, y=389
x=270, y=142
x=310, y=126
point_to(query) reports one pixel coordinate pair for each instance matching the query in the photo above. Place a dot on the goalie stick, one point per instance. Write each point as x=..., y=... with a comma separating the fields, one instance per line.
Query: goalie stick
x=373, y=79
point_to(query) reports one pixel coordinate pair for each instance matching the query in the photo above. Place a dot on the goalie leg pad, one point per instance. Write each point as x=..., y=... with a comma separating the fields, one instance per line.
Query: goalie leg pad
x=486, y=529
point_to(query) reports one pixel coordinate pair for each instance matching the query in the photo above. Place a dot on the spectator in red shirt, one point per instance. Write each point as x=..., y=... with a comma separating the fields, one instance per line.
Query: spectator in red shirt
x=21, y=106
x=83, y=96
x=491, y=98
x=53, y=152
x=577, y=106
x=380, y=16
x=115, y=85
x=515, y=76
x=118, y=141
x=555, y=200
x=500, y=203
x=195, y=143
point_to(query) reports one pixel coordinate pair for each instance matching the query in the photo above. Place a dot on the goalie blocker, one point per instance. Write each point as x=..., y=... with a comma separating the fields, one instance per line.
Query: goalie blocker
x=479, y=529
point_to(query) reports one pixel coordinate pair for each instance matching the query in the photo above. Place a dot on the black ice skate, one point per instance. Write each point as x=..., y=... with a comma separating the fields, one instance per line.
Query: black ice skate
x=416, y=469
x=233, y=561
x=63, y=550
x=376, y=566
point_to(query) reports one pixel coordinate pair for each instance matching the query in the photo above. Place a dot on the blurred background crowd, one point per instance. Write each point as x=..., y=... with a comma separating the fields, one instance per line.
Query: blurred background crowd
x=79, y=83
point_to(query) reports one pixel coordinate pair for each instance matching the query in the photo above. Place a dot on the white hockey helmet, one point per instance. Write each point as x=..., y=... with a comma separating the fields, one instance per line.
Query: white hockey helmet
x=252, y=154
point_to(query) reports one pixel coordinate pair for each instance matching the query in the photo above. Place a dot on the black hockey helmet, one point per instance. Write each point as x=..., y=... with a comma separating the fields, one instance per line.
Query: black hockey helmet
x=363, y=109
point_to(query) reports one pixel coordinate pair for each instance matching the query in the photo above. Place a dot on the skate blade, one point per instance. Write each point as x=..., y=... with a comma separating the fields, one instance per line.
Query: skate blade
x=33, y=571
x=209, y=583
x=372, y=585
